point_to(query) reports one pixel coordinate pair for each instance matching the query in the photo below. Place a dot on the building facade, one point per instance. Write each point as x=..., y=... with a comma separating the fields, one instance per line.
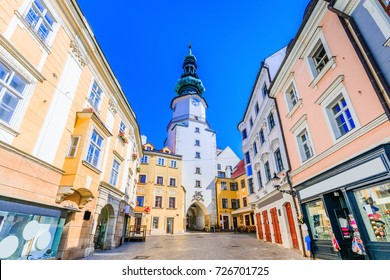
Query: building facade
x=190, y=135
x=67, y=136
x=336, y=129
x=160, y=194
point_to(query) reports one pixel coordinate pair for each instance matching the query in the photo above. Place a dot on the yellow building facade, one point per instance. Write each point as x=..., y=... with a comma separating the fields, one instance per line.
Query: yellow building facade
x=160, y=194
x=69, y=140
x=233, y=208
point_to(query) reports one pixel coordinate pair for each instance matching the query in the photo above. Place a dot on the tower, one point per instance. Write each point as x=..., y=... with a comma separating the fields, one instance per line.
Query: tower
x=190, y=135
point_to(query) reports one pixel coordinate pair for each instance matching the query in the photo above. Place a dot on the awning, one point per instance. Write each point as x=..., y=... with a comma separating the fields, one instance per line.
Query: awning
x=242, y=210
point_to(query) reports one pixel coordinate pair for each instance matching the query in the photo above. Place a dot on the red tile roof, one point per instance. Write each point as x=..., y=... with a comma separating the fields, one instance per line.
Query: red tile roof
x=239, y=169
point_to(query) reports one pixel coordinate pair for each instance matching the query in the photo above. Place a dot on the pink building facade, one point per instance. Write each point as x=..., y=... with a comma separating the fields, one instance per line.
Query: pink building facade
x=337, y=134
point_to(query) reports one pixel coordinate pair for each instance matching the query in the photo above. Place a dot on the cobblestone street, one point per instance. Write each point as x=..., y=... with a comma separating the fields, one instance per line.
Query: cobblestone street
x=199, y=246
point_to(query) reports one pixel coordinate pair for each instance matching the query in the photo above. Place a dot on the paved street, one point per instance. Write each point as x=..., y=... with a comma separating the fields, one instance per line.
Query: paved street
x=199, y=246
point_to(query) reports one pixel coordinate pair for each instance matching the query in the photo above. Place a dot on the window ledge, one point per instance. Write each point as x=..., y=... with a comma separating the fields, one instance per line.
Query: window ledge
x=295, y=108
x=90, y=166
x=8, y=129
x=331, y=64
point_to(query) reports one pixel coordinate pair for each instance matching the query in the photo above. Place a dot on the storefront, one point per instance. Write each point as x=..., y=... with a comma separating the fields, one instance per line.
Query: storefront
x=347, y=209
x=29, y=231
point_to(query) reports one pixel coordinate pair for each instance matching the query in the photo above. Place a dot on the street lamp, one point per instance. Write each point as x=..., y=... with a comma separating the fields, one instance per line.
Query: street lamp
x=276, y=179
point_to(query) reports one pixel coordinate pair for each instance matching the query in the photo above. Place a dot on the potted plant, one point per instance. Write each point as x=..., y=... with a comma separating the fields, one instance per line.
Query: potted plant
x=134, y=156
x=138, y=169
x=122, y=136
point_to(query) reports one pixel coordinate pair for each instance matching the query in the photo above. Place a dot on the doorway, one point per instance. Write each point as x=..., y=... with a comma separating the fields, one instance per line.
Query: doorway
x=275, y=225
x=170, y=223
x=291, y=225
x=259, y=226
x=266, y=226
x=225, y=222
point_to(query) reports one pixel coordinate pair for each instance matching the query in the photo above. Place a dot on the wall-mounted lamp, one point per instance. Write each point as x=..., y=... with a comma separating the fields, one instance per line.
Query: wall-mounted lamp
x=275, y=180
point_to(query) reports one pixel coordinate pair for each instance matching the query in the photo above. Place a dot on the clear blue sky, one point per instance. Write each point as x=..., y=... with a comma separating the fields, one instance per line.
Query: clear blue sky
x=145, y=43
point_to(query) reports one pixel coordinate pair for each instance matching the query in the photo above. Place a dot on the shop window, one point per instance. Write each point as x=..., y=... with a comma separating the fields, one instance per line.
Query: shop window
x=373, y=204
x=155, y=223
x=318, y=221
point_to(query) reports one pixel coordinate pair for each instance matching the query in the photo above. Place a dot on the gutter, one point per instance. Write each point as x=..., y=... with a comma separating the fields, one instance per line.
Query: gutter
x=360, y=46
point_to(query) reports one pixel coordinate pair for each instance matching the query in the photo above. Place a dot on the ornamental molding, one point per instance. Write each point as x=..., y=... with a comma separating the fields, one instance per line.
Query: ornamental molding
x=112, y=106
x=197, y=196
x=76, y=52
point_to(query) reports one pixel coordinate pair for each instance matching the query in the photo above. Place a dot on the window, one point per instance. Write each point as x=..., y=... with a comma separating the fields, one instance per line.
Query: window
x=197, y=143
x=235, y=203
x=197, y=130
x=254, y=148
x=158, y=202
x=95, y=148
x=234, y=186
x=267, y=171
x=244, y=135
x=148, y=148
x=271, y=121
x=172, y=182
x=145, y=159
x=249, y=170
x=12, y=89
x=247, y=158
x=40, y=19
x=142, y=178
x=161, y=161
x=243, y=183
x=221, y=174
x=304, y=145
x=261, y=136
x=251, y=122
x=319, y=57
x=155, y=223
x=74, y=142
x=259, y=181
x=114, y=173
x=128, y=182
x=95, y=96
x=160, y=180
x=264, y=90
x=219, y=166
x=244, y=202
x=292, y=97
x=278, y=160
x=140, y=201
x=250, y=186
x=197, y=184
x=122, y=128
x=341, y=118
x=197, y=170
x=225, y=203
x=317, y=220
x=257, y=109
x=173, y=164
x=172, y=202
x=223, y=186
x=197, y=155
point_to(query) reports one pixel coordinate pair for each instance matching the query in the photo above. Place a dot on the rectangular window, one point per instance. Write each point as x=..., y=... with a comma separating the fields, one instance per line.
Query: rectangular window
x=114, y=173
x=197, y=170
x=172, y=182
x=197, y=143
x=173, y=164
x=161, y=161
x=172, y=203
x=341, y=118
x=155, y=223
x=254, y=148
x=95, y=149
x=244, y=135
x=12, y=89
x=160, y=180
x=319, y=57
x=249, y=170
x=225, y=203
x=223, y=186
x=264, y=90
x=244, y=202
x=271, y=121
x=140, y=201
x=95, y=96
x=267, y=171
x=219, y=166
x=257, y=109
x=259, y=181
x=317, y=220
x=234, y=186
x=243, y=183
x=74, y=142
x=145, y=159
x=158, y=202
x=292, y=97
x=221, y=174
x=197, y=130
x=234, y=203
x=142, y=179
x=251, y=122
x=197, y=155
x=250, y=186
x=305, y=145
x=247, y=158
x=40, y=19
x=278, y=160
x=122, y=128
x=197, y=184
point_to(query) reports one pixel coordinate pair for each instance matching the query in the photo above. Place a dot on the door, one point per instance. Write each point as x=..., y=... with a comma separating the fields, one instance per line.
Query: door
x=259, y=226
x=247, y=221
x=170, y=225
x=235, y=225
x=275, y=225
x=266, y=226
x=138, y=222
x=225, y=222
x=291, y=225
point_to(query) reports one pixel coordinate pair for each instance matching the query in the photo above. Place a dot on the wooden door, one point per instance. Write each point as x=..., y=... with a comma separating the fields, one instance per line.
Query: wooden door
x=266, y=226
x=225, y=222
x=275, y=225
x=259, y=226
x=291, y=225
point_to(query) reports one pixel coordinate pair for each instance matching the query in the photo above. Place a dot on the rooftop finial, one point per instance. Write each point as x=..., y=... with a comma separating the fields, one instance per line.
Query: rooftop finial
x=190, y=48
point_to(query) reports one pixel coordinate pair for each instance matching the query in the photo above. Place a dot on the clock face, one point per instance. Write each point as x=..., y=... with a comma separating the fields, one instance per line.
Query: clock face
x=195, y=102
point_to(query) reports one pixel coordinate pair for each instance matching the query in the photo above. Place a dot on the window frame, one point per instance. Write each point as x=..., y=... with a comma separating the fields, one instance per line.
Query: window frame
x=158, y=179
x=224, y=203
x=158, y=201
x=197, y=155
x=267, y=171
x=115, y=170
x=332, y=116
x=197, y=170
x=143, y=200
x=198, y=184
x=278, y=160
x=73, y=147
x=170, y=199
x=145, y=159
x=142, y=176
x=223, y=186
x=101, y=148
x=170, y=182
x=173, y=164
x=161, y=161
x=99, y=97
x=271, y=121
x=301, y=148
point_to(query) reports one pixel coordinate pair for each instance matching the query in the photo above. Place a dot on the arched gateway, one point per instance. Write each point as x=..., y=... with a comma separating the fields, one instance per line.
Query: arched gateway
x=198, y=218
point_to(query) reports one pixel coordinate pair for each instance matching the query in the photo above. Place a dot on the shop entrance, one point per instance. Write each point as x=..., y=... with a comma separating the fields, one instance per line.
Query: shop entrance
x=170, y=225
x=340, y=219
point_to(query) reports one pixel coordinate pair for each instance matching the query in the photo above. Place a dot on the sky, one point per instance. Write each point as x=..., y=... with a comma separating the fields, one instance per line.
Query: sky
x=145, y=43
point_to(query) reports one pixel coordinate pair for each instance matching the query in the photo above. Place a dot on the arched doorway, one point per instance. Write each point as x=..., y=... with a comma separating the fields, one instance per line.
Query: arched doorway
x=105, y=228
x=198, y=217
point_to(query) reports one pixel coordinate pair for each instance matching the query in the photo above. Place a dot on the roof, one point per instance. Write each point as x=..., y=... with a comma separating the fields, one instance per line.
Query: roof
x=239, y=169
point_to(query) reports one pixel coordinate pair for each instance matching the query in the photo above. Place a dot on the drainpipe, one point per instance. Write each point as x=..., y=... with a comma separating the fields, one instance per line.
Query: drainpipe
x=360, y=46
x=288, y=171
